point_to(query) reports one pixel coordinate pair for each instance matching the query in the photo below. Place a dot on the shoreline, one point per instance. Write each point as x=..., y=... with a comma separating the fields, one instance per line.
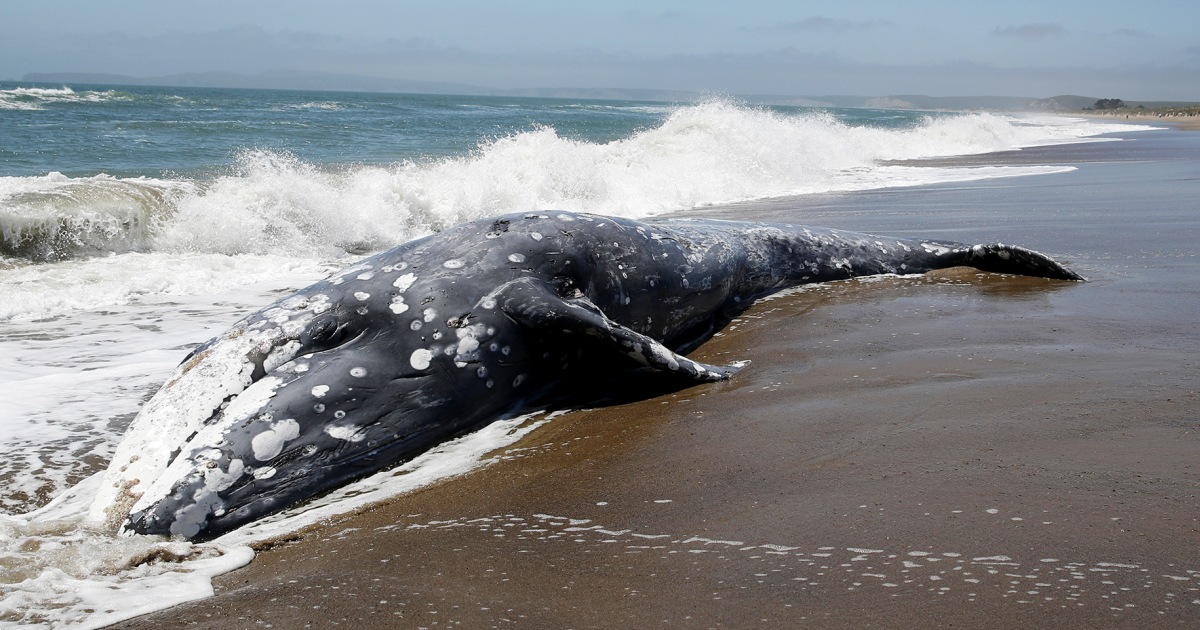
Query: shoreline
x=953, y=449
x=1181, y=121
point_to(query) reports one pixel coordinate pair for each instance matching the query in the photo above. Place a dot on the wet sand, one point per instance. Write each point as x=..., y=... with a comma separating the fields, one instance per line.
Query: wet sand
x=955, y=450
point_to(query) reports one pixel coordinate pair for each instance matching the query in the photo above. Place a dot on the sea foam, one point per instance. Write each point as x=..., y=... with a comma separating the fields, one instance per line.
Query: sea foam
x=712, y=153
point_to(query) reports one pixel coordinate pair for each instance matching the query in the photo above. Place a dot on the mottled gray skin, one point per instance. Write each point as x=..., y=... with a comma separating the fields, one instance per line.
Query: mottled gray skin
x=494, y=314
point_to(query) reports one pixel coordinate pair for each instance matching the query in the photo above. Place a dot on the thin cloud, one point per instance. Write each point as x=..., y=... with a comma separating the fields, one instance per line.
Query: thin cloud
x=1030, y=32
x=1129, y=32
x=823, y=24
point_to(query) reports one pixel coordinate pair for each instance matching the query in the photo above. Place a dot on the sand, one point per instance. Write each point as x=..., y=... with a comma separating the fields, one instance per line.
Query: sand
x=1182, y=121
x=953, y=450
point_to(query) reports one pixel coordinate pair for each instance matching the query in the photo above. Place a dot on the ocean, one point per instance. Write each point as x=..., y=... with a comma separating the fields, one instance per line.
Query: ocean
x=136, y=223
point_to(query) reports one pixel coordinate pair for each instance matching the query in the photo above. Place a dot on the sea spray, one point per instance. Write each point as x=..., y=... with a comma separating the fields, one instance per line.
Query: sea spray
x=717, y=152
x=56, y=217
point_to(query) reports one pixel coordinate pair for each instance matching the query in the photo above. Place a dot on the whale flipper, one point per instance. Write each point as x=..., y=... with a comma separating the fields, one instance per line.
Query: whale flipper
x=1010, y=259
x=536, y=304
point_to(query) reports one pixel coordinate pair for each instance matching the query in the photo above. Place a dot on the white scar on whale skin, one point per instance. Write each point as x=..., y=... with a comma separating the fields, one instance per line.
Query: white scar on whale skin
x=187, y=401
x=421, y=358
x=244, y=406
x=268, y=444
x=403, y=283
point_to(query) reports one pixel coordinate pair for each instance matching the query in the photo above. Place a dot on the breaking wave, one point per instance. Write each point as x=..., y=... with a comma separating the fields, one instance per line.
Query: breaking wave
x=37, y=98
x=712, y=153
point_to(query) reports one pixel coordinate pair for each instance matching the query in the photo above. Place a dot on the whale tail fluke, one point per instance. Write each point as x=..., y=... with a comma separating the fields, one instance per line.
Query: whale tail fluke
x=1011, y=259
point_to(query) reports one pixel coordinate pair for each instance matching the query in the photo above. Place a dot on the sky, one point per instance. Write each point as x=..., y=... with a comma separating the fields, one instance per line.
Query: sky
x=1135, y=50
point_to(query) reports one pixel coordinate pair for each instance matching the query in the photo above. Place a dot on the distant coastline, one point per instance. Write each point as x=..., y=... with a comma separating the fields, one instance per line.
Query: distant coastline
x=335, y=82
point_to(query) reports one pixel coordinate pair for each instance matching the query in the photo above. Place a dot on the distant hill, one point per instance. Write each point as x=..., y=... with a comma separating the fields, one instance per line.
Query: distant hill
x=335, y=82
x=270, y=80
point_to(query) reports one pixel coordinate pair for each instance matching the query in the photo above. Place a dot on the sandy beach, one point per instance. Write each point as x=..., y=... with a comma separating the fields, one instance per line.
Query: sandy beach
x=1185, y=122
x=954, y=450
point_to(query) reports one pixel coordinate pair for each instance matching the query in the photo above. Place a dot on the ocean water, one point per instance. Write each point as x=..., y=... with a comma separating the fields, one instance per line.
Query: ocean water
x=136, y=223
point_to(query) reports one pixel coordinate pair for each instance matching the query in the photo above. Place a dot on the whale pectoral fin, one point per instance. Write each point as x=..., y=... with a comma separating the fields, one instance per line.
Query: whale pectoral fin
x=534, y=304
x=1001, y=258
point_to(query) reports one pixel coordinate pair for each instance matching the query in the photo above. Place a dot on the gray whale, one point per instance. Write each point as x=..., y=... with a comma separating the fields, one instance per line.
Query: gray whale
x=442, y=335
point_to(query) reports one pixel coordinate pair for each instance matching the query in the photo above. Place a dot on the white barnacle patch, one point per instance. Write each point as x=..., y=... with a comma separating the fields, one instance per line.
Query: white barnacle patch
x=453, y=263
x=320, y=390
x=516, y=258
x=266, y=472
x=416, y=324
x=429, y=315
x=420, y=358
x=276, y=315
x=404, y=282
x=362, y=296
x=294, y=327
x=358, y=372
x=468, y=342
x=320, y=303
x=268, y=444
x=665, y=356
x=349, y=433
x=295, y=302
x=488, y=303
x=366, y=275
x=398, y=306
x=537, y=236
x=281, y=355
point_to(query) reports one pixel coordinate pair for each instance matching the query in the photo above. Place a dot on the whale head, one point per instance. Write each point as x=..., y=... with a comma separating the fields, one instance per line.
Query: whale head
x=337, y=381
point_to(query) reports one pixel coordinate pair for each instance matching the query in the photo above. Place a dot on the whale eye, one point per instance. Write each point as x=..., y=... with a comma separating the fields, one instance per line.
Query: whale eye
x=566, y=287
x=323, y=329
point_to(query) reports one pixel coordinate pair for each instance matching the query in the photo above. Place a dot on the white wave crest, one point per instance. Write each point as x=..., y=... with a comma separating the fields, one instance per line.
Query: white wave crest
x=711, y=153
x=37, y=98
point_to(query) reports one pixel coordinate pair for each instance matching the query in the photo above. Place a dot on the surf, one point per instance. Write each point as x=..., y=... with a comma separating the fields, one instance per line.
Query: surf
x=712, y=153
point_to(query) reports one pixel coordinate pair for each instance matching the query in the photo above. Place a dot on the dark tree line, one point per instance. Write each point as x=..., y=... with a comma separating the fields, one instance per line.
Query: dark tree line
x=1109, y=103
